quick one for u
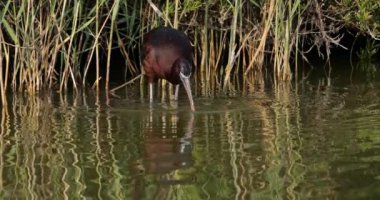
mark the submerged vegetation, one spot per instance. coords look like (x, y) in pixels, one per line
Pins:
(61, 44)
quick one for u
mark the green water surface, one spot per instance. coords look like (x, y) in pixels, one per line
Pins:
(315, 139)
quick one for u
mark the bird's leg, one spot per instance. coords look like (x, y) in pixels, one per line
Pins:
(176, 92)
(151, 92)
(171, 92)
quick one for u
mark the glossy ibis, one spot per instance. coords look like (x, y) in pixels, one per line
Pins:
(167, 54)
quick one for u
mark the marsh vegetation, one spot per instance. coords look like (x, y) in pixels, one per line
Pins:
(61, 45)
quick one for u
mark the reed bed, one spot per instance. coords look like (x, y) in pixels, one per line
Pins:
(61, 45)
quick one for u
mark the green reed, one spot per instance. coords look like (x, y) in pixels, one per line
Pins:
(56, 45)
(51, 40)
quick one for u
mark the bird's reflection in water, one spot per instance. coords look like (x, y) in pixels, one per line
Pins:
(168, 147)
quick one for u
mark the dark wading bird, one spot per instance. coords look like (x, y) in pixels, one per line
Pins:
(167, 54)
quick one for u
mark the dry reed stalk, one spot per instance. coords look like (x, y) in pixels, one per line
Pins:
(68, 71)
(232, 45)
(4, 54)
(204, 64)
(2, 83)
(115, 10)
(268, 17)
(96, 43)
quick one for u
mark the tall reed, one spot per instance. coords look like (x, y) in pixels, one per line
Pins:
(285, 34)
(68, 44)
(50, 41)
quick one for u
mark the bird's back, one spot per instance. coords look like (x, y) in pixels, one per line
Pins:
(161, 48)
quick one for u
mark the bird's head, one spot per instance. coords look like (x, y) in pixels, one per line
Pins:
(183, 68)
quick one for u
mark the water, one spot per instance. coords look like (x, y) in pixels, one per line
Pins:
(304, 141)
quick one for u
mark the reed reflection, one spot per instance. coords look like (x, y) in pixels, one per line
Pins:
(283, 143)
(45, 151)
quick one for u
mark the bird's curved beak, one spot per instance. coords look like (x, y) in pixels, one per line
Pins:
(186, 84)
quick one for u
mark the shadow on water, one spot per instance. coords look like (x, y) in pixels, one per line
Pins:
(292, 141)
